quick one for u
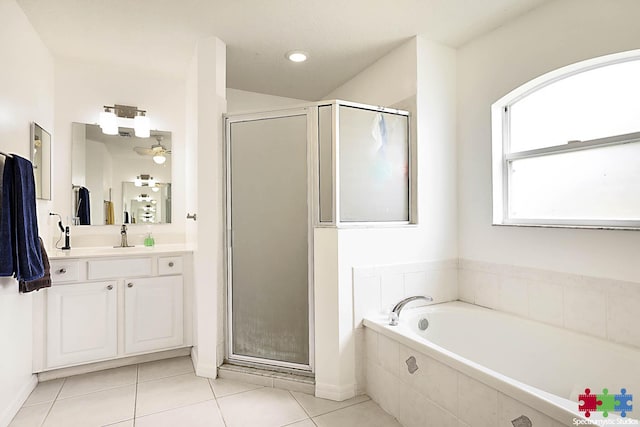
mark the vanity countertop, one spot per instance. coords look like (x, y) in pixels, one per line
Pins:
(104, 251)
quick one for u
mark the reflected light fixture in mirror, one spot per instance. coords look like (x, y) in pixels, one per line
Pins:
(109, 120)
(159, 158)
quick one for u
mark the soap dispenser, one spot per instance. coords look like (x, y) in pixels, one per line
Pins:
(149, 241)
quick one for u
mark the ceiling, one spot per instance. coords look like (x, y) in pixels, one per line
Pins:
(122, 146)
(342, 36)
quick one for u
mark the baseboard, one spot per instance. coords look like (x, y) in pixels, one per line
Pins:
(12, 409)
(203, 370)
(335, 392)
(113, 363)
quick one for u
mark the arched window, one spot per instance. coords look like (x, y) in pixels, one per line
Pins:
(566, 147)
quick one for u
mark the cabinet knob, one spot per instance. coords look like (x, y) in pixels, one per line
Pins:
(129, 285)
(62, 271)
(110, 287)
(171, 264)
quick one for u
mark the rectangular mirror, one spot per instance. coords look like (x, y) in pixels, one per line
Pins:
(120, 179)
(41, 160)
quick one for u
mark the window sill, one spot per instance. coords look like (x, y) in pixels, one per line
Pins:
(570, 226)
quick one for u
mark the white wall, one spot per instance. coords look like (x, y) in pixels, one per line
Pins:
(240, 101)
(26, 95)
(82, 89)
(554, 35)
(205, 101)
(425, 72)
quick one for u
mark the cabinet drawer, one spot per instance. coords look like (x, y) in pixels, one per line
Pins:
(168, 265)
(64, 271)
(115, 268)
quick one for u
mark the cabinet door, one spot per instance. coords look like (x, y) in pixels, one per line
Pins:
(81, 323)
(153, 313)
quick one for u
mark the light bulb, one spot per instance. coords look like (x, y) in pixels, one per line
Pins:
(109, 123)
(142, 126)
(137, 182)
(159, 158)
(297, 56)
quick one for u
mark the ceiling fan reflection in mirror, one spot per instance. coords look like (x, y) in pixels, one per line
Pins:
(158, 151)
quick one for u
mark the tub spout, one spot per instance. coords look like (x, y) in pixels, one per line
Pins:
(395, 313)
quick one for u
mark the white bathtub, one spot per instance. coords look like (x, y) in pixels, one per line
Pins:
(542, 366)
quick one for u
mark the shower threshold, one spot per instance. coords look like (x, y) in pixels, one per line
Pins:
(276, 377)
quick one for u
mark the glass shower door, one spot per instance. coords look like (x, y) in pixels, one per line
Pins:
(268, 216)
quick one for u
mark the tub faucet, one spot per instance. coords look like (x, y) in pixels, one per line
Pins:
(395, 313)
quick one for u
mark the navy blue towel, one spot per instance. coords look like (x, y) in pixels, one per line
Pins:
(84, 208)
(7, 265)
(44, 281)
(26, 243)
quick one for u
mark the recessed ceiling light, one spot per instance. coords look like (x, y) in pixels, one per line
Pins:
(297, 56)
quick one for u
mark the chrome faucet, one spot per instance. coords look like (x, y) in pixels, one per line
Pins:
(123, 238)
(395, 312)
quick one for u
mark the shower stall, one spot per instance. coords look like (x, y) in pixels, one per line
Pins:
(326, 164)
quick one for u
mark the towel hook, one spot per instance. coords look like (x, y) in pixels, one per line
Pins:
(191, 216)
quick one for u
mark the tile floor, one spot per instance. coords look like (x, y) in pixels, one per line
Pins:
(168, 393)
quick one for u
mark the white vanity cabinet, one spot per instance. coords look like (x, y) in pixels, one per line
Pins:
(153, 313)
(102, 308)
(81, 323)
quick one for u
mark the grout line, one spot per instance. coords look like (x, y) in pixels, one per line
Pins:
(299, 404)
(172, 409)
(215, 398)
(348, 406)
(135, 396)
(168, 376)
(64, 380)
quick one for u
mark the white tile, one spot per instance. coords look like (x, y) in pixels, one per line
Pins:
(585, 310)
(439, 417)
(383, 387)
(169, 393)
(623, 316)
(415, 283)
(411, 410)
(223, 387)
(485, 289)
(391, 290)
(371, 345)
(315, 406)
(303, 423)
(511, 409)
(97, 381)
(433, 379)
(94, 409)
(366, 414)
(128, 423)
(466, 291)
(546, 303)
(366, 298)
(31, 416)
(265, 407)
(203, 414)
(513, 295)
(164, 368)
(388, 354)
(477, 403)
(45, 391)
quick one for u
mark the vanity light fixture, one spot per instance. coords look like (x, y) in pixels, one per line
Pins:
(144, 180)
(297, 56)
(109, 120)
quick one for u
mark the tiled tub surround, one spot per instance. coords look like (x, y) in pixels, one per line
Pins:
(601, 307)
(478, 367)
(377, 289)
